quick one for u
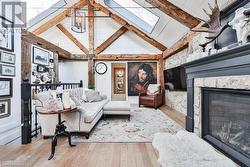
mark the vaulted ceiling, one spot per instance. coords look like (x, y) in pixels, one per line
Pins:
(176, 18)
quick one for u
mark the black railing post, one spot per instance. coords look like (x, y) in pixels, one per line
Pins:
(81, 84)
(26, 99)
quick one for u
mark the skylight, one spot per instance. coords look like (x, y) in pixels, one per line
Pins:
(35, 7)
(137, 14)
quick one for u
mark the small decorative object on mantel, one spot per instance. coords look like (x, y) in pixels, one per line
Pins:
(214, 25)
(241, 23)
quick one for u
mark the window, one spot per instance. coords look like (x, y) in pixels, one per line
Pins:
(135, 13)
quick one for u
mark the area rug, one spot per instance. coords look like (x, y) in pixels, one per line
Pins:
(143, 124)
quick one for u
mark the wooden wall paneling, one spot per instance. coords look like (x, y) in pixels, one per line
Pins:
(36, 40)
(127, 57)
(55, 20)
(72, 38)
(111, 39)
(180, 45)
(128, 26)
(161, 65)
(26, 60)
(91, 56)
(175, 12)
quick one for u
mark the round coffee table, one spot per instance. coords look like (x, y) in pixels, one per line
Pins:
(60, 129)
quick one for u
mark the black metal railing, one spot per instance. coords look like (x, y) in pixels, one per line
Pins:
(30, 127)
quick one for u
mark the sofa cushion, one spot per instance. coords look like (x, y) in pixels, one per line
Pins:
(92, 109)
(117, 105)
(93, 95)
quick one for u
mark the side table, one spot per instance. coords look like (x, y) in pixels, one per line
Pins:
(60, 129)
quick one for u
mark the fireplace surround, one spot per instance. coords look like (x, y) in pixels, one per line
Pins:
(227, 70)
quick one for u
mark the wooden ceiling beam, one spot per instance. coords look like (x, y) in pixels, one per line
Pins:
(128, 26)
(127, 57)
(36, 40)
(72, 38)
(180, 45)
(110, 40)
(175, 12)
(58, 18)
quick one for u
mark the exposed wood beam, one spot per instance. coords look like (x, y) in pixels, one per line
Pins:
(55, 20)
(110, 40)
(72, 38)
(128, 26)
(36, 40)
(91, 56)
(126, 57)
(180, 45)
(175, 12)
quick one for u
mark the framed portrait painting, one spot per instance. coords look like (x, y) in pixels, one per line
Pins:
(140, 75)
(5, 87)
(4, 108)
(40, 56)
(6, 34)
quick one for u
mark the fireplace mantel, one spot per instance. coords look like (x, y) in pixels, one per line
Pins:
(231, 62)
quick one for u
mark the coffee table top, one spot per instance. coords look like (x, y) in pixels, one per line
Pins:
(42, 110)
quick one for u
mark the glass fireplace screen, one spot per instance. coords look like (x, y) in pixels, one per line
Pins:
(226, 117)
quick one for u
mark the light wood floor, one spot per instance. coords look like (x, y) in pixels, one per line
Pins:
(83, 155)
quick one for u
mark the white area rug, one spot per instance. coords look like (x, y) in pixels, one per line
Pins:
(143, 124)
(186, 149)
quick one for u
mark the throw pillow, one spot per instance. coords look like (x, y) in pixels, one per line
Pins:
(104, 97)
(53, 105)
(92, 96)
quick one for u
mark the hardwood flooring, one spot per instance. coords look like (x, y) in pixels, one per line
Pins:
(83, 155)
(176, 116)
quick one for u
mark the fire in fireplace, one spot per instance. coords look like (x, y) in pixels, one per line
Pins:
(226, 122)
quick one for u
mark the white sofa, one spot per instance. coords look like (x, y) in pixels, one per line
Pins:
(80, 122)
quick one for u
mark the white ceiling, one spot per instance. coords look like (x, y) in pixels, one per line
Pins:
(168, 31)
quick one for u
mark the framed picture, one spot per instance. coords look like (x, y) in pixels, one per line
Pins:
(40, 56)
(6, 34)
(6, 70)
(7, 57)
(41, 68)
(140, 75)
(119, 80)
(4, 108)
(5, 87)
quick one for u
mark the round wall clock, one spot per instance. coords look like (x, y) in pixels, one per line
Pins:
(101, 68)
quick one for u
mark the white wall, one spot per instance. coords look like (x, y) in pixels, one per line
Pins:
(10, 127)
(73, 71)
(103, 82)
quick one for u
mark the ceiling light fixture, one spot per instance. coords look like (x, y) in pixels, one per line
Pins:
(78, 21)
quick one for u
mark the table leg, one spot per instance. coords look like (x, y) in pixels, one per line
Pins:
(69, 138)
(53, 145)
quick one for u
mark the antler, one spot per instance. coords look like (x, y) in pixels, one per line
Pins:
(214, 25)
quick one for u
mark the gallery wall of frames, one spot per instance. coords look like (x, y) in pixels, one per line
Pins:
(7, 66)
(43, 70)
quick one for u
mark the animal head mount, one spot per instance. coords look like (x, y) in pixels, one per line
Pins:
(214, 25)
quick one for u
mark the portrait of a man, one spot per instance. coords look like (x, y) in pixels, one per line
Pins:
(140, 75)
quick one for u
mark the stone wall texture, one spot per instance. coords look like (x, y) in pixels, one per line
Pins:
(230, 82)
(177, 59)
(177, 100)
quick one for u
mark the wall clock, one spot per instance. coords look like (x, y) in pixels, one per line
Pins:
(101, 68)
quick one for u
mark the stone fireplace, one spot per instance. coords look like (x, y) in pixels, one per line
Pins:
(219, 101)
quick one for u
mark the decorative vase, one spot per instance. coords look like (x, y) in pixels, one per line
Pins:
(66, 100)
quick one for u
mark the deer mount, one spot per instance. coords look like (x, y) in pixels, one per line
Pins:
(214, 26)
